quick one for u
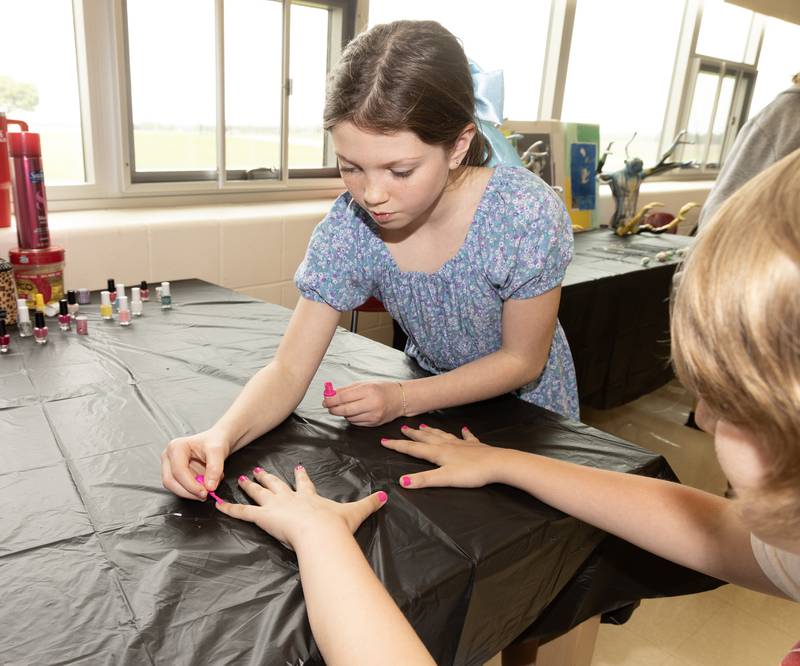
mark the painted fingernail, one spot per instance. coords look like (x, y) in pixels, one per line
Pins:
(257, 470)
(219, 502)
(384, 440)
(464, 428)
(422, 425)
(299, 468)
(403, 427)
(242, 478)
(406, 481)
(382, 497)
(200, 478)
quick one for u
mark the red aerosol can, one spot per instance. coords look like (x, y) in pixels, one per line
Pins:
(30, 198)
(5, 172)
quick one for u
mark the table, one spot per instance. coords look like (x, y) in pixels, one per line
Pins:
(99, 564)
(615, 314)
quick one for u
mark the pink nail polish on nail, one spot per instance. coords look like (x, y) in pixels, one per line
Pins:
(406, 481)
(382, 497)
(299, 468)
(403, 427)
(216, 497)
(423, 425)
(257, 470)
(384, 440)
(219, 502)
(242, 478)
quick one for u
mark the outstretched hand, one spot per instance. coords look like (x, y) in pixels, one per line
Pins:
(293, 515)
(463, 462)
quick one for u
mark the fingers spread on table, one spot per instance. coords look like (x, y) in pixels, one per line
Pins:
(429, 479)
(241, 511)
(255, 490)
(270, 481)
(415, 449)
(302, 482)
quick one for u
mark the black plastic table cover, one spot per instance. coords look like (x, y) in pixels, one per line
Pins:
(100, 565)
(615, 314)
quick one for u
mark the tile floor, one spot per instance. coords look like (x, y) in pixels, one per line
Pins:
(730, 626)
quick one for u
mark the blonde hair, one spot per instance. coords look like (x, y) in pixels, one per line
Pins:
(736, 332)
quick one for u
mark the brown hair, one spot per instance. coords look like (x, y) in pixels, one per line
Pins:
(736, 331)
(406, 75)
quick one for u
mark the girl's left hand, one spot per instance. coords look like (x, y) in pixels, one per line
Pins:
(367, 403)
(463, 463)
(295, 515)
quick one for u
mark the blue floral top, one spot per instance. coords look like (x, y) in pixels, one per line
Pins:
(518, 246)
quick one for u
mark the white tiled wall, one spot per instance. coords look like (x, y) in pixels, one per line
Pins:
(252, 248)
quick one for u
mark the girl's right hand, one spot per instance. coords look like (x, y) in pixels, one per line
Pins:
(292, 516)
(187, 457)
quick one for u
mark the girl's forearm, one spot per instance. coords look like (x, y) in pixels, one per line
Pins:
(484, 378)
(265, 401)
(353, 618)
(685, 525)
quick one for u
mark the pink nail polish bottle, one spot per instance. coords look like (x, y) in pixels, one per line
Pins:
(64, 319)
(144, 290)
(329, 391)
(72, 303)
(124, 311)
(112, 290)
(82, 325)
(40, 329)
(5, 338)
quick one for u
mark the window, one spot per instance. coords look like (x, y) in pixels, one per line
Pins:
(40, 85)
(180, 91)
(618, 77)
(775, 69)
(511, 36)
(720, 83)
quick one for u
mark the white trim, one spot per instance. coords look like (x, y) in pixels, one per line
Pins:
(556, 58)
(219, 34)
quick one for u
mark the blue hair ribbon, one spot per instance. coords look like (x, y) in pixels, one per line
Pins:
(489, 91)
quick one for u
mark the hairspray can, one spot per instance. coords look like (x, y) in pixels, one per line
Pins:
(30, 199)
(5, 172)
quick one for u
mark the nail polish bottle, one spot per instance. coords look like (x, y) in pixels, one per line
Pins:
(63, 318)
(5, 338)
(72, 304)
(82, 325)
(120, 294)
(124, 311)
(39, 301)
(166, 297)
(112, 290)
(40, 330)
(144, 290)
(136, 301)
(24, 325)
(84, 296)
(105, 305)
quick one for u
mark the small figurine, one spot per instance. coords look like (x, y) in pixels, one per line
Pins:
(625, 182)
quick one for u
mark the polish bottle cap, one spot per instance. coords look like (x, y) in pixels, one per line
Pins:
(23, 315)
(136, 294)
(39, 319)
(39, 299)
(111, 285)
(105, 297)
(143, 284)
(123, 302)
(71, 297)
(120, 288)
(165, 288)
(62, 306)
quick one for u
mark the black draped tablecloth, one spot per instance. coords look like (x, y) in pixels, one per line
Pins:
(100, 565)
(615, 314)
